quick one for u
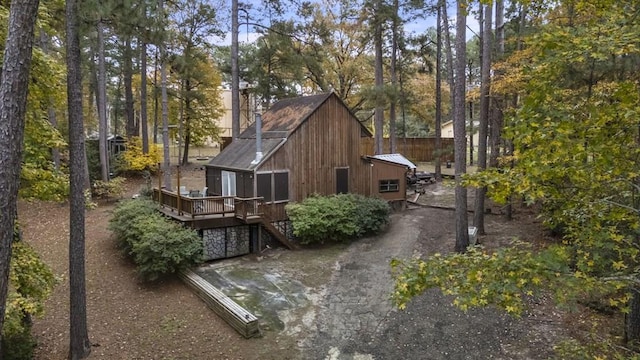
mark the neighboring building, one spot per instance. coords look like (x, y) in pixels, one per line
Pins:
(447, 131)
(247, 111)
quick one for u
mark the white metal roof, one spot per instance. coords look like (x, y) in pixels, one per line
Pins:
(395, 158)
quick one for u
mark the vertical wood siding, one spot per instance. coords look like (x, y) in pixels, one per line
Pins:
(382, 170)
(329, 139)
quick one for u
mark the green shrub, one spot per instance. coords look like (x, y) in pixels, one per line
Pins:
(156, 244)
(125, 215)
(113, 188)
(337, 218)
(30, 284)
(18, 346)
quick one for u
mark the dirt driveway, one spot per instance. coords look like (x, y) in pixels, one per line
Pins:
(337, 300)
(348, 314)
(357, 321)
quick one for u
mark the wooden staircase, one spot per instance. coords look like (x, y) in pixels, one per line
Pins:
(266, 222)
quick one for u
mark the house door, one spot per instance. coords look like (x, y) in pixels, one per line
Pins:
(228, 186)
(342, 180)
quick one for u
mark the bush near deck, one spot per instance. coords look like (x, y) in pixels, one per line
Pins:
(337, 218)
(157, 245)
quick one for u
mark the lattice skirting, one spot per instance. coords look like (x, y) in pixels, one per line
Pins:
(285, 227)
(226, 242)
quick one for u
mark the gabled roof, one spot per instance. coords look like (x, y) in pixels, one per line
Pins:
(240, 154)
(395, 158)
(278, 123)
(287, 115)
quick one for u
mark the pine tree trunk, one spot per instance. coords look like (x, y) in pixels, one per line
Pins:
(143, 96)
(449, 53)
(632, 320)
(485, 85)
(394, 80)
(144, 123)
(459, 131)
(155, 99)
(127, 73)
(378, 122)
(165, 113)
(497, 117)
(235, 73)
(13, 102)
(438, 142)
(79, 346)
(101, 91)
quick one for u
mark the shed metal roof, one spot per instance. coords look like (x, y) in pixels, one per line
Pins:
(395, 158)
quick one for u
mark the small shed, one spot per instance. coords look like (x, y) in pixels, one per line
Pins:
(116, 144)
(389, 176)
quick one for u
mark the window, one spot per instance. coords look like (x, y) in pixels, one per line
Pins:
(342, 180)
(263, 183)
(389, 186)
(273, 186)
(228, 186)
(281, 186)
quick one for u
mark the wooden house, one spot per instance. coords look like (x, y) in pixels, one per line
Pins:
(299, 147)
(309, 145)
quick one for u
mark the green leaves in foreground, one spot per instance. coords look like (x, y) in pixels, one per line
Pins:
(504, 278)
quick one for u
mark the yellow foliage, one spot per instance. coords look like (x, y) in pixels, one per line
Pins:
(136, 160)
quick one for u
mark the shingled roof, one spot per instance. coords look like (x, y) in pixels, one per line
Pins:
(286, 116)
(278, 123)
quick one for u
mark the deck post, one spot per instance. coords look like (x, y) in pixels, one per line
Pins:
(178, 192)
(159, 184)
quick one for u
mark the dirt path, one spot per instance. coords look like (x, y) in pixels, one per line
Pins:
(357, 320)
(357, 300)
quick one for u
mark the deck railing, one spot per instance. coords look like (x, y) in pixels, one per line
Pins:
(248, 207)
(209, 205)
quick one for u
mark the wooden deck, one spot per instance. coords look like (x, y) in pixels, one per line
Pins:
(184, 207)
(217, 211)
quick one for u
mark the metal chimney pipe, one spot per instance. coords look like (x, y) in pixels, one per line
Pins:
(258, 139)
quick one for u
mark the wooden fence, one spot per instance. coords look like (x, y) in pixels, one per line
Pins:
(415, 149)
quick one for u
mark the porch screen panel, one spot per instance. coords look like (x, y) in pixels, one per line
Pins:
(281, 186)
(264, 186)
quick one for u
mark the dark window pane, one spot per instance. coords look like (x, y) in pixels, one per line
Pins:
(389, 186)
(342, 181)
(281, 186)
(264, 186)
